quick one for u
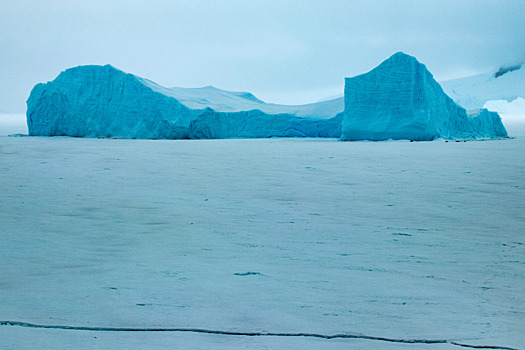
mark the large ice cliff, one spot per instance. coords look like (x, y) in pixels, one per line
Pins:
(400, 99)
(102, 101)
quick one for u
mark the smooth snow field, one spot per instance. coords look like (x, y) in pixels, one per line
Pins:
(395, 241)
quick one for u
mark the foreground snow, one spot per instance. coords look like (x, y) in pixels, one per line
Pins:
(391, 239)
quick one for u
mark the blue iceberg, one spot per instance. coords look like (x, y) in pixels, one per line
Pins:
(399, 99)
(102, 101)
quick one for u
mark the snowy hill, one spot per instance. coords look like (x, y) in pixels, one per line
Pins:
(230, 101)
(505, 83)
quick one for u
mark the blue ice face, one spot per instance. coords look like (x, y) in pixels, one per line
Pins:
(401, 100)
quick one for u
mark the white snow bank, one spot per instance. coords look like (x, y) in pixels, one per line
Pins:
(230, 101)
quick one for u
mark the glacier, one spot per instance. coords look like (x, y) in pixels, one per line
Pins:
(397, 100)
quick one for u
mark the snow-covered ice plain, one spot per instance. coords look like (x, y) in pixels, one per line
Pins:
(399, 240)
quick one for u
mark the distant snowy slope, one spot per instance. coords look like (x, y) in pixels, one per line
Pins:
(230, 101)
(506, 83)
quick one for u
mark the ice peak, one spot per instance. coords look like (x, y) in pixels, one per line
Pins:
(400, 56)
(95, 72)
(93, 67)
(399, 63)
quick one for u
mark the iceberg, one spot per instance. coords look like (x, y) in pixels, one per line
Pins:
(399, 99)
(102, 101)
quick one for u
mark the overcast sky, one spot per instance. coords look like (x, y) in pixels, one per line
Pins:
(282, 51)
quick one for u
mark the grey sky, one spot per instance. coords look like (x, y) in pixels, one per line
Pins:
(282, 51)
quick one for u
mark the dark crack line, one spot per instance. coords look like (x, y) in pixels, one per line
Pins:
(249, 334)
(480, 346)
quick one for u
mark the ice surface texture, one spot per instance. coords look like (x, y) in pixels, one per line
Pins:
(102, 101)
(400, 99)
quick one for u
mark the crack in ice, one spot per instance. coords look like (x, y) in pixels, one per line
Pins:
(250, 334)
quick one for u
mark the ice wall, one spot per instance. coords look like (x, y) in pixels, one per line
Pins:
(486, 123)
(255, 123)
(102, 101)
(400, 99)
